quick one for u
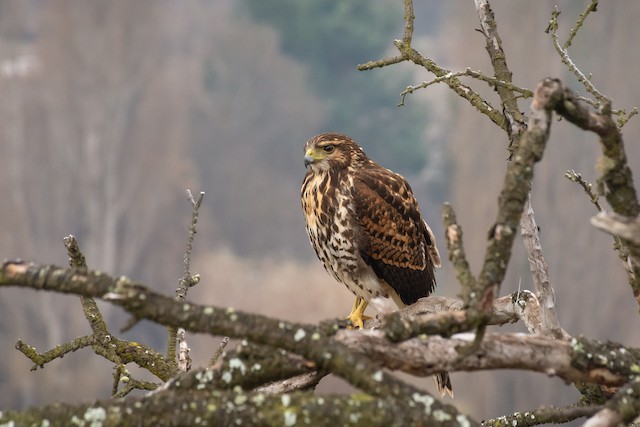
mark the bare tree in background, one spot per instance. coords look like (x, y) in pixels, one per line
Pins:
(84, 118)
(265, 381)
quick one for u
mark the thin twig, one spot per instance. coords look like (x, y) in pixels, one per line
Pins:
(59, 351)
(525, 93)
(408, 53)
(187, 280)
(218, 353)
(381, 63)
(566, 59)
(455, 248)
(574, 176)
(408, 35)
(591, 7)
(623, 116)
(104, 343)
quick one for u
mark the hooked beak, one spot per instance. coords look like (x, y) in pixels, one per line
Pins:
(310, 156)
(307, 161)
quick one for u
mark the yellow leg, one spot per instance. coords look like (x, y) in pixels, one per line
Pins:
(357, 316)
(356, 303)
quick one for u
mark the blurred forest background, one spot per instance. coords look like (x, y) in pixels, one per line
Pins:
(109, 110)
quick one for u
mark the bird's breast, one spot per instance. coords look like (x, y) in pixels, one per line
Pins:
(328, 213)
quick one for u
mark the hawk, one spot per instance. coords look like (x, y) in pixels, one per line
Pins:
(365, 226)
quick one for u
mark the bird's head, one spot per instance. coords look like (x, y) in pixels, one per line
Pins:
(330, 150)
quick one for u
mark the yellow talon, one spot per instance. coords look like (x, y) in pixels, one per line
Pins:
(357, 316)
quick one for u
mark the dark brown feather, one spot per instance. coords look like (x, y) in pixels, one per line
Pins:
(394, 240)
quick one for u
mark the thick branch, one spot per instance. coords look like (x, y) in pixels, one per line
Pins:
(544, 415)
(299, 382)
(578, 360)
(513, 197)
(514, 116)
(228, 408)
(620, 226)
(516, 120)
(440, 315)
(302, 339)
(624, 407)
(311, 342)
(615, 180)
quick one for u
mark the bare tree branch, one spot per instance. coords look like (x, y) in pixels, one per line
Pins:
(494, 82)
(624, 407)
(188, 280)
(513, 197)
(311, 342)
(616, 180)
(58, 352)
(105, 344)
(564, 55)
(226, 408)
(578, 360)
(618, 225)
(430, 315)
(299, 382)
(348, 353)
(515, 118)
(591, 7)
(587, 187)
(455, 247)
(408, 53)
(539, 271)
(544, 415)
(261, 382)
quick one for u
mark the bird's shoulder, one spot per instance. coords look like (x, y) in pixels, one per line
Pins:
(394, 239)
(374, 186)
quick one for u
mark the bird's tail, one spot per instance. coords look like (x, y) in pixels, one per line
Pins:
(443, 381)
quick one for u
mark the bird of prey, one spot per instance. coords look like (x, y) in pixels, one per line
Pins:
(365, 226)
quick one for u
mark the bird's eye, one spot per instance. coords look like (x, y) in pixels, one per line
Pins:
(328, 148)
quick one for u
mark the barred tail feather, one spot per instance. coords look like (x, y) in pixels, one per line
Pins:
(443, 381)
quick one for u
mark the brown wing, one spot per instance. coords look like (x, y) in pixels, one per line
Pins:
(393, 238)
